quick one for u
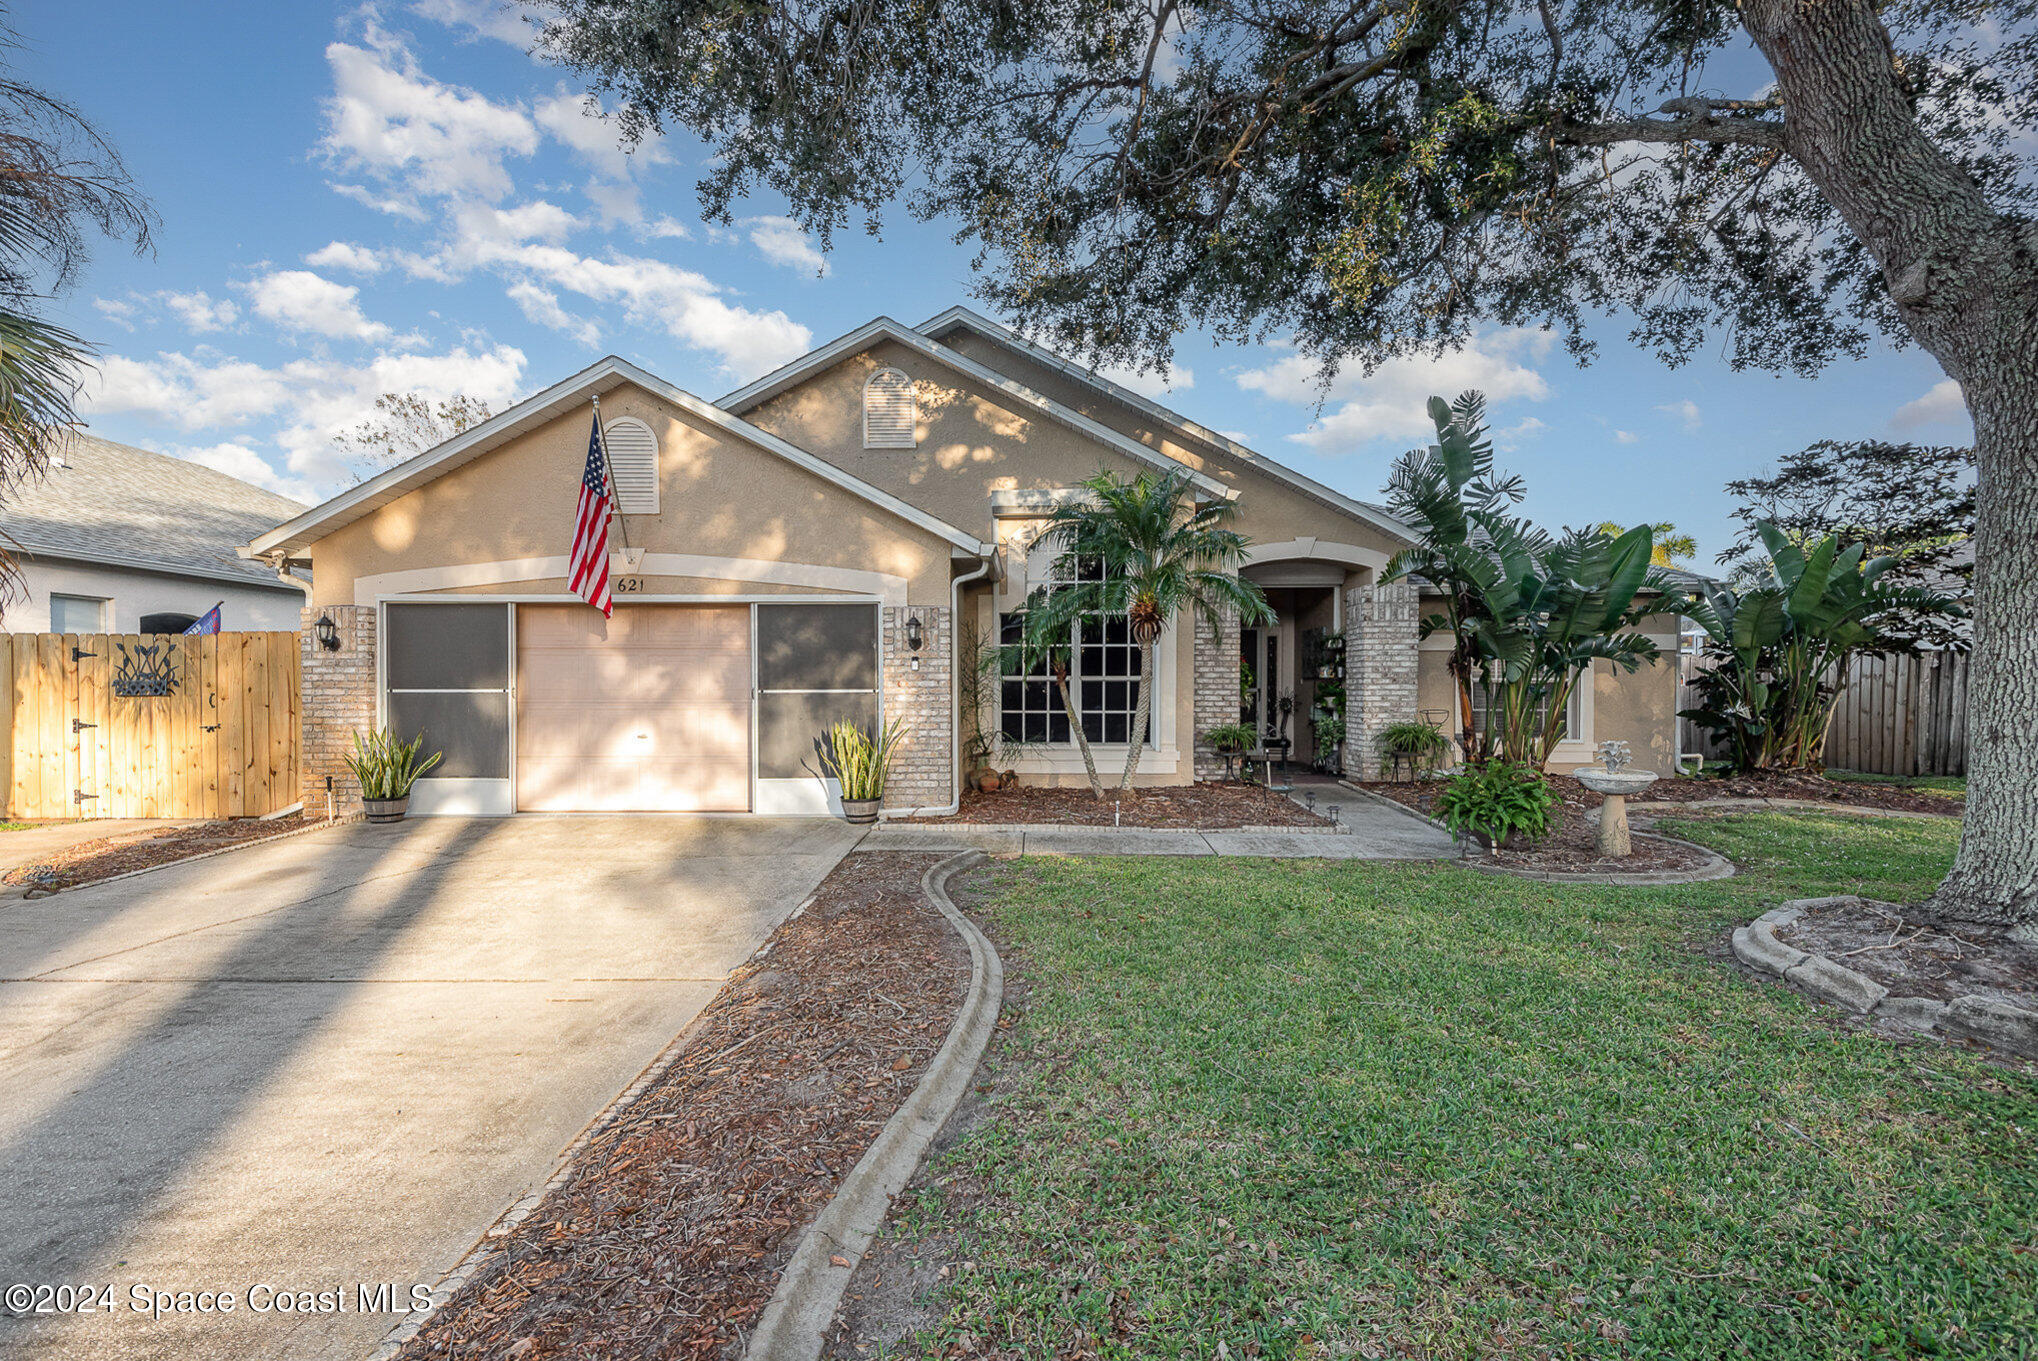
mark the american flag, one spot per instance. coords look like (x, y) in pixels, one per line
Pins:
(587, 566)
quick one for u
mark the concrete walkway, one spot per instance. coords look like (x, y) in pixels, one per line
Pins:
(330, 1061)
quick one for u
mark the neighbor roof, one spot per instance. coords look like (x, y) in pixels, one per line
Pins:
(120, 506)
(961, 318)
(605, 375)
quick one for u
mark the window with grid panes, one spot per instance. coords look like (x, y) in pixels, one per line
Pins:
(1103, 679)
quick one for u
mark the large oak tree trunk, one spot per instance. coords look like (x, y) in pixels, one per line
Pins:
(1965, 280)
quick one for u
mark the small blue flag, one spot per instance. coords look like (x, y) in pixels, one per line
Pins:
(209, 624)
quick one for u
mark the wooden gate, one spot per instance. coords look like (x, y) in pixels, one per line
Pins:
(150, 726)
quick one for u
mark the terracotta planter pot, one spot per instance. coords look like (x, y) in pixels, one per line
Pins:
(386, 810)
(860, 810)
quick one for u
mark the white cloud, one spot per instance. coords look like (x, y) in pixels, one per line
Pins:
(238, 460)
(781, 241)
(381, 203)
(1149, 383)
(1625, 436)
(390, 120)
(1392, 401)
(1510, 437)
(578, 123)
(119, 311)
(665, 226)
(1944, 403)
(298, 300)
(1685, 410)
(306, 401)
(503, 20)
(200, 311)
(348, 256)
(542, 306)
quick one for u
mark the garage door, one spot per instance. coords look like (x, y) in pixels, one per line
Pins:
(648, 711)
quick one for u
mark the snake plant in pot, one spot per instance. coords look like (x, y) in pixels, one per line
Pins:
(861, 764)
(387, 769)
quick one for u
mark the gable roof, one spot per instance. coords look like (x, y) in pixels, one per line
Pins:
(1025, 398)
(120, 506)
(294, 536)
(962, 318)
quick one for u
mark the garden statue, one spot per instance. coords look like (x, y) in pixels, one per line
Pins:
(1615, 782)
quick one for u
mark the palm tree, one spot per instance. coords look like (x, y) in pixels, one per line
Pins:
(1670, 545)
(1157, 554)
(57, 176)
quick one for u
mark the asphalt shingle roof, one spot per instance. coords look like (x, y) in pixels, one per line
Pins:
(115, 503)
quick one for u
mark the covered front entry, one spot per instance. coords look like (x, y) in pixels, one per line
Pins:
(646, 712)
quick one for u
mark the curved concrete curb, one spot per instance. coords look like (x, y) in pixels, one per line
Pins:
(1716, 866)
(1999, 1024)
(795, 1322)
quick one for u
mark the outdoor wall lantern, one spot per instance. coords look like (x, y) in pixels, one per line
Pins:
(328, 633)
(914, 636)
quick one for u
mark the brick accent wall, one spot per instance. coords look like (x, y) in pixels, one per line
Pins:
(1381, 641)
(338, 699)
(1216, 681)
(923, 769)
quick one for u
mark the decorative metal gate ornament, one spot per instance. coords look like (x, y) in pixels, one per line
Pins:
(145, 670)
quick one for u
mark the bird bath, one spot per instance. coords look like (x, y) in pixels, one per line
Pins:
(1615, 784)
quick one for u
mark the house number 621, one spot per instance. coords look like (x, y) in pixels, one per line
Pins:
(625, 585)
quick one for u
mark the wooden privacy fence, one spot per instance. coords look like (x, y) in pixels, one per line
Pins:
(1902, 716)
(149, 726)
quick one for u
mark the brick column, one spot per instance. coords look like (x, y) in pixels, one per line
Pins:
(338, 699)
(1381, 654)
(923, 769)
(1216, 682)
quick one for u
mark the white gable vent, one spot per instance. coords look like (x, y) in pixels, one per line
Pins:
(889, 415)
(633, 463)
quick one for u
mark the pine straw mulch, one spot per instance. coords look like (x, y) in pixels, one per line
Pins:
(667, 1238)
(102, 858)
(1202, 807)
(1915, 958)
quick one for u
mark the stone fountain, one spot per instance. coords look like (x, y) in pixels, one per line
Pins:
(1616, 782)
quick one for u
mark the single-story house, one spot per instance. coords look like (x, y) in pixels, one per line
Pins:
(114, 539)
(845, 536)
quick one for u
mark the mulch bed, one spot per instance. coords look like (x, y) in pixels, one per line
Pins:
(1860, 794)
(1199, 806)
(105, 857)
(1915, 958)
(668, 1238)
(1572, 846)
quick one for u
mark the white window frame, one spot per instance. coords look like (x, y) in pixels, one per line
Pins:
(634, 502)
(105, 604)
(910, 439)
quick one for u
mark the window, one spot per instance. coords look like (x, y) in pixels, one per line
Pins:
(633, 464)
(1103, 678)
(78, 613)
(1574, 720)
(889, 414)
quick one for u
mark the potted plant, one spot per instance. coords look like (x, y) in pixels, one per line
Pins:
(861, 763)
(1329, 730)
(1422, 745)
(1230, 740)
(387, 769)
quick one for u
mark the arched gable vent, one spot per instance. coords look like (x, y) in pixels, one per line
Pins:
(889, 413)
(633, 463)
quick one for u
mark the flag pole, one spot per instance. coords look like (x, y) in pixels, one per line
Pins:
(608, 470)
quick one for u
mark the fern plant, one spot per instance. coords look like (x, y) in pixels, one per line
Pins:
(1423, 742)
(1231, 738)
(1499, 800)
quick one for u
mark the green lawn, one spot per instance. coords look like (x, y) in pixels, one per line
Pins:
(1320, 1110)
(1952, 786)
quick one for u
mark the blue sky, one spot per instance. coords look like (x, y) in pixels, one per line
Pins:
(396, 197)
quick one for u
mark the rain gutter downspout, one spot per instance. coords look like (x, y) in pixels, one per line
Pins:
(954, 803)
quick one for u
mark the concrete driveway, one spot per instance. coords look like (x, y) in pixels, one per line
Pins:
(330, 1062)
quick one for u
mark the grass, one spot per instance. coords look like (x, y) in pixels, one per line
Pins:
(1952, 786)
(1319, 1109)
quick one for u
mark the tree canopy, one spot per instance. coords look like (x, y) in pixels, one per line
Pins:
(1369, 178)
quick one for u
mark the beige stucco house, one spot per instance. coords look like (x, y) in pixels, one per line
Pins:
(845, 536)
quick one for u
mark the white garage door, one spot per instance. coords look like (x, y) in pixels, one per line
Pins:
(648, 711)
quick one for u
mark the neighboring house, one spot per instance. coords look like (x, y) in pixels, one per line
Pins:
(804, 549)
(114, 539)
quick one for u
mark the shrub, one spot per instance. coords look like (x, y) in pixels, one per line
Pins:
(1499, 800)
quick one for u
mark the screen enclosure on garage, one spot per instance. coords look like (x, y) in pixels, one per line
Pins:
(543, 706)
